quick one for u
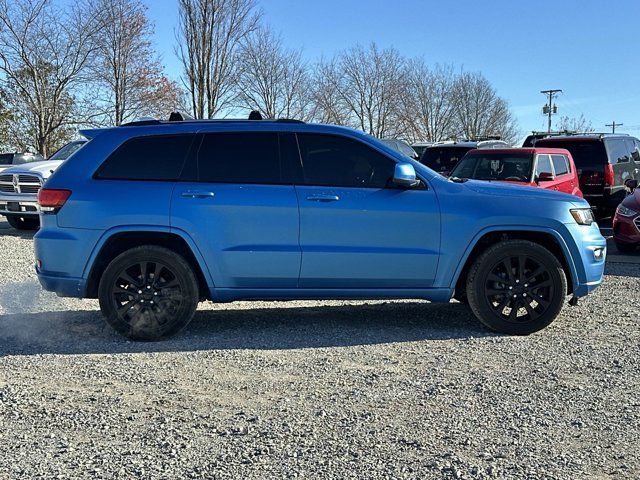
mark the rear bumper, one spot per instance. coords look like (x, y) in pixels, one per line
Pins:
(609, 198)
(62, 286)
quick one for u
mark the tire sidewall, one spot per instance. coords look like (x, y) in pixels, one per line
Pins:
(178, 266)
(485, 264)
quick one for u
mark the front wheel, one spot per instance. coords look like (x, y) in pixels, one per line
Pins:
(148, 293)
(516, 287)
(23, 223)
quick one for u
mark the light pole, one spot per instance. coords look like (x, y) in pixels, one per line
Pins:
(550, 109)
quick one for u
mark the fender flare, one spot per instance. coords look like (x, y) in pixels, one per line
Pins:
(109, 233)
(519, 228)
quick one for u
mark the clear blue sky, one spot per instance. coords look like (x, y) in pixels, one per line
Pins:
(588, 48)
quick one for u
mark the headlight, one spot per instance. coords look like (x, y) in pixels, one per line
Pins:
(582, 216)
(626, 212)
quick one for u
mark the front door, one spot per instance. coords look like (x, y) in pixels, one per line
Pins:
(357, 230)
(242, 214)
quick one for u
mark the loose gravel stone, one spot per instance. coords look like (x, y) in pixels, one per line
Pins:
(331, 389)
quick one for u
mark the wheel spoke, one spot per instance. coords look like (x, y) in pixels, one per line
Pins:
(546, 283)
(514, 310)
(158, 274)
(521, 265)
(531, 276)
(507, 265)
(496, 291)
(125, 307)
(128, 279)
(495, 278)
(530, 310)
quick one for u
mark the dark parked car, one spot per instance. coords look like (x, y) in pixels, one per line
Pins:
(10, 159)
(443, 156)
(626, 222)
(604, 163)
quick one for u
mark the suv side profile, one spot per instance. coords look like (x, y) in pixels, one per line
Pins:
(153, 217)
(443, 156)
(604, 163)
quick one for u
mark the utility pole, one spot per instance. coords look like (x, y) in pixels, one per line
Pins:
(550, 108)
(613, 126)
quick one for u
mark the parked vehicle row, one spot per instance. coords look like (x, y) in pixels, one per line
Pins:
(626, 222)
(154, 216)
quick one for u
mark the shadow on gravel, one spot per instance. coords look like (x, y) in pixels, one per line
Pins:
(81, 332)
(7, 231)
(623, 269)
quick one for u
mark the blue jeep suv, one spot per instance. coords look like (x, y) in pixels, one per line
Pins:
(153, 217)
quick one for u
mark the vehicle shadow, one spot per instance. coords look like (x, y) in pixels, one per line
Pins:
(83, 332)
(7, 230)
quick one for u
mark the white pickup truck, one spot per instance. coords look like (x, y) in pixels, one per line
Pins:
(19, 186)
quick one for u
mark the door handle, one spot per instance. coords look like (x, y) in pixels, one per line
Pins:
(323, 198)
(197, 194)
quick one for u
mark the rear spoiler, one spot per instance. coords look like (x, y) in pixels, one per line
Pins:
(91, 133)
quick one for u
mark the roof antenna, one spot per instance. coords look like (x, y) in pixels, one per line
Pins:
(255, 115)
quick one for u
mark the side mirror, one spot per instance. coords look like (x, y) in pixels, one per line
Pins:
(546, 177)
(631, 184)
(404, 175)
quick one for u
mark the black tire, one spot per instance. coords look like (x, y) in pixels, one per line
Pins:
(23, 223)
(148, 293)
(521, 299)
(626, 247)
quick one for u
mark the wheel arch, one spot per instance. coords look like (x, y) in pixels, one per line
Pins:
(116, 241)
(548, 238)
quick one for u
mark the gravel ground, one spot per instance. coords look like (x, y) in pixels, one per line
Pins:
(317, 389)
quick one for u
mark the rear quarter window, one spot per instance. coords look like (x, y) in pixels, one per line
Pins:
(560, 164)
(153, 157)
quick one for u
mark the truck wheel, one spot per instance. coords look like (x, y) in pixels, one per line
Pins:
(23, 223)
(148, 293)
(516, 287)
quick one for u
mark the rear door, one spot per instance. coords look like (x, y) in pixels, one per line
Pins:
(236, 202)
(564, 178)
(357, 230)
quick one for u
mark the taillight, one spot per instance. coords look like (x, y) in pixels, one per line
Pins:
(51, 199)
(608, 175)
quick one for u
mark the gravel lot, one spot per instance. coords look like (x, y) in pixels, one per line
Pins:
(316, 389)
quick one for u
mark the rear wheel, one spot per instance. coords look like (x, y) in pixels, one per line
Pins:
(516, 287)
(23, 223)
(148, 293)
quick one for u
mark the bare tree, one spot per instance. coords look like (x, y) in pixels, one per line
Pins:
(328, 105)
(44, 53)
(479, 111)
(574, 124)
(275, 81)
(427, 104)
(367, 83)
(129, 75)
(209, 36)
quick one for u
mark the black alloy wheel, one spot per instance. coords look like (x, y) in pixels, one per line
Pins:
(148, 293)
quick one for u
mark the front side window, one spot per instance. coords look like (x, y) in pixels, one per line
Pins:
(560, 164)
(249, 157)
(543, 165)
(330, 160)
(152, 157)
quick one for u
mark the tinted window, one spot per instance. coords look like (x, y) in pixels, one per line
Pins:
(154, 157)
(630, 147)
(240, 158)
(443, 159)
(6, 158)
(495, 166)
(338, 161)
(543, 165)
(587, 154)
(635, 154)
(560, 164)
(618, 151)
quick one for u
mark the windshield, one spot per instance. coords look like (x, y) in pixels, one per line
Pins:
(68, 150)
(495, 166)
(443, 159)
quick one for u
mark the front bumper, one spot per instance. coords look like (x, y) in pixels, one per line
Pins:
(23, 205)
(589, 256)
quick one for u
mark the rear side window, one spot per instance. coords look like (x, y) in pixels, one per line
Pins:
(588, 155)
(560, 164)
(240, 158)
(330, 160)
(443, 159)
(153, 157)
(618, 151)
